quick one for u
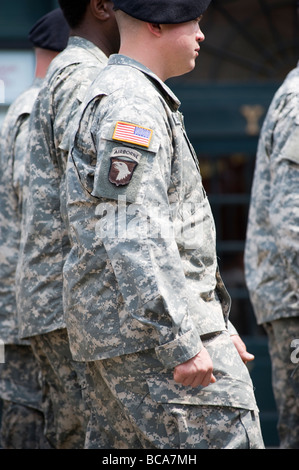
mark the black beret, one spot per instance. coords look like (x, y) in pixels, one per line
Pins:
(163, 11)
(50, 32)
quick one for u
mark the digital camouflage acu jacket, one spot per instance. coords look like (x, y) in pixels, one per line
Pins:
(142, 272)
(45, 240)
(13, 141)
(272, 244)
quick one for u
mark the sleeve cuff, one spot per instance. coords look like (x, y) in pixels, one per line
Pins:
(231, 329)
(180, 350)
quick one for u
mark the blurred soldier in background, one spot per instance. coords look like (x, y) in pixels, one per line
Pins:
(93, 37)
(272, 249)
(22, 424)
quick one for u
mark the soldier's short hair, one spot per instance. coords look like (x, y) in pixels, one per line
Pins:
(74, 11)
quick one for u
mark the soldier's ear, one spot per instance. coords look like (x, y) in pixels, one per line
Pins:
(99, 9)
(155, 29)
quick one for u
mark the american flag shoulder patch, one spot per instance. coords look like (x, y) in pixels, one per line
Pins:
(132, 133)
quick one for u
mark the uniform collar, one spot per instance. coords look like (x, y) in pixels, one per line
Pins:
(77, 41)
(37, 81)
(169, 96)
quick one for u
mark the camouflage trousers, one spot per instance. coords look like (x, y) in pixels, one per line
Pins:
(129, 411)
(285, 378)
(22, 419)
(64, 390)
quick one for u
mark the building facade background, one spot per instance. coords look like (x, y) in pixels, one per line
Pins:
(250, 47)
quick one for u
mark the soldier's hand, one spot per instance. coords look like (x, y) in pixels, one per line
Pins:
(241, 348)
(196, 371)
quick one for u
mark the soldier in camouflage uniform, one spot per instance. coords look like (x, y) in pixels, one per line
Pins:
(94, 35)
(145, 304)
(22, 425)
(271, 252)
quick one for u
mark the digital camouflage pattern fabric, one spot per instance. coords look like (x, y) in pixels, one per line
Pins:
(22, 418)
(64, 391)
(271, 253)
(148, 242)
(45, 240)
(285, 378)
(14, 138)
(138, 388)
(22, 421)
(143, 291)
